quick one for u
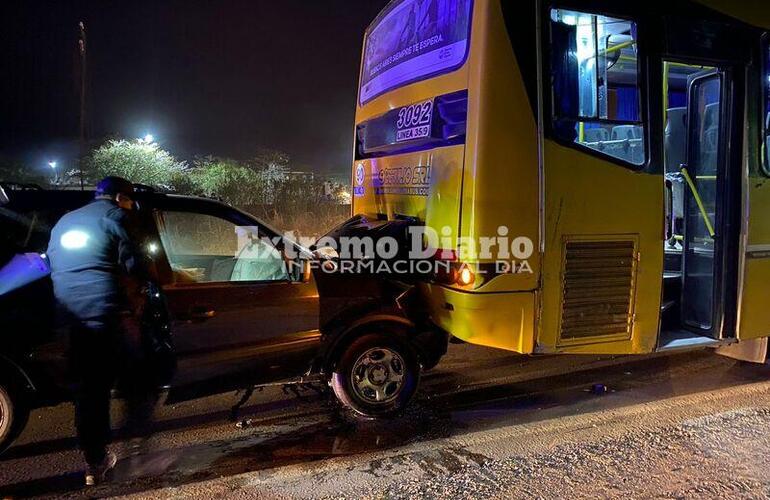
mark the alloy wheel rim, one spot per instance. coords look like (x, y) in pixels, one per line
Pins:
(5, 413)
(378, 375)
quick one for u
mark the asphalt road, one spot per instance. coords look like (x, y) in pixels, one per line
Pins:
(486, 423)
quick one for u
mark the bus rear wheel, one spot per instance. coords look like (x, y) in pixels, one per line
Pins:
(376, 376)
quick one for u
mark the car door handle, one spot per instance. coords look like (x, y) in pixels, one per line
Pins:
(202, 313)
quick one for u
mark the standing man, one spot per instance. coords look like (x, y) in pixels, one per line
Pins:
(97, 273)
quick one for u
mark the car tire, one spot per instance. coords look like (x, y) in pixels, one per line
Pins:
(14, 413)
(376, 376)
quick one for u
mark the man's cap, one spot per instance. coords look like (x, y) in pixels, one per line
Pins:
(112, 186)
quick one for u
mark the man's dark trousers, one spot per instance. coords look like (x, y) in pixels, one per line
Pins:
(103, 351)
(94, 348)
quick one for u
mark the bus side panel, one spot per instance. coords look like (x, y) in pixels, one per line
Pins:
(599, 207)
(754, 311)
(500, 183)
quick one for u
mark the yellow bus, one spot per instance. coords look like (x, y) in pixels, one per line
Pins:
(627, 141)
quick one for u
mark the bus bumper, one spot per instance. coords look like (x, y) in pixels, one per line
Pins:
(504, 320)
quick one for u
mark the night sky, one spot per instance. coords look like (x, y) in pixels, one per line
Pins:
(205, 77)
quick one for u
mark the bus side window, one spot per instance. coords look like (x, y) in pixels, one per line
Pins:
(595, 84)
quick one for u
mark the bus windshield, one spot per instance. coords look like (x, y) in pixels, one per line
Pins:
(412, 40)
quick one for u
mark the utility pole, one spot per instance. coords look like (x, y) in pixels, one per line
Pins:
(82, 52)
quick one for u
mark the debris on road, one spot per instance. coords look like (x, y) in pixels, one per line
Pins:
(599, 389)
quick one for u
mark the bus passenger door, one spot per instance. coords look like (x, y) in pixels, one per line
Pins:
(704, 178)
(700, 283)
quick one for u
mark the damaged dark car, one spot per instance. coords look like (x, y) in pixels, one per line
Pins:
(244, 305)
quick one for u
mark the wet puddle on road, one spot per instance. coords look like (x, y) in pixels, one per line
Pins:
(276, 446)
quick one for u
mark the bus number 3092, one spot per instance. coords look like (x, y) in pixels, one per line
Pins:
(415, 114)
(414, 120)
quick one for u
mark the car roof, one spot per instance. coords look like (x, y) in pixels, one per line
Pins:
(27, 197)
(30, 199)
(61, 201)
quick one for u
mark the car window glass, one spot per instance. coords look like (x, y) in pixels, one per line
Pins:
(203, 248)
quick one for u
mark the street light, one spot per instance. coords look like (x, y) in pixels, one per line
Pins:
(147, 139)
(52, 164)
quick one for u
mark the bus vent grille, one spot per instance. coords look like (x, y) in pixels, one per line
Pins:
(598, 289)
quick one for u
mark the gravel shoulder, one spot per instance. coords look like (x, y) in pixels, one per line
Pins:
(718, 456)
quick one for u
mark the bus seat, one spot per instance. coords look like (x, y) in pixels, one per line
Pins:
(675, 139)
(621, 132)
(620, 149)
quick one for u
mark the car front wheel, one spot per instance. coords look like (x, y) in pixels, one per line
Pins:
(376, 376)
(13, 415)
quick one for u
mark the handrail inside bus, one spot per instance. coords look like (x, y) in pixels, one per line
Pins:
(698, 200)
(617, 47)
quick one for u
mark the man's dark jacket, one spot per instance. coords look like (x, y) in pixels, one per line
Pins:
(95, 263)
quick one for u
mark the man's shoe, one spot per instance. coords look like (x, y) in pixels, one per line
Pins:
(95, 474)
(137, 446)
